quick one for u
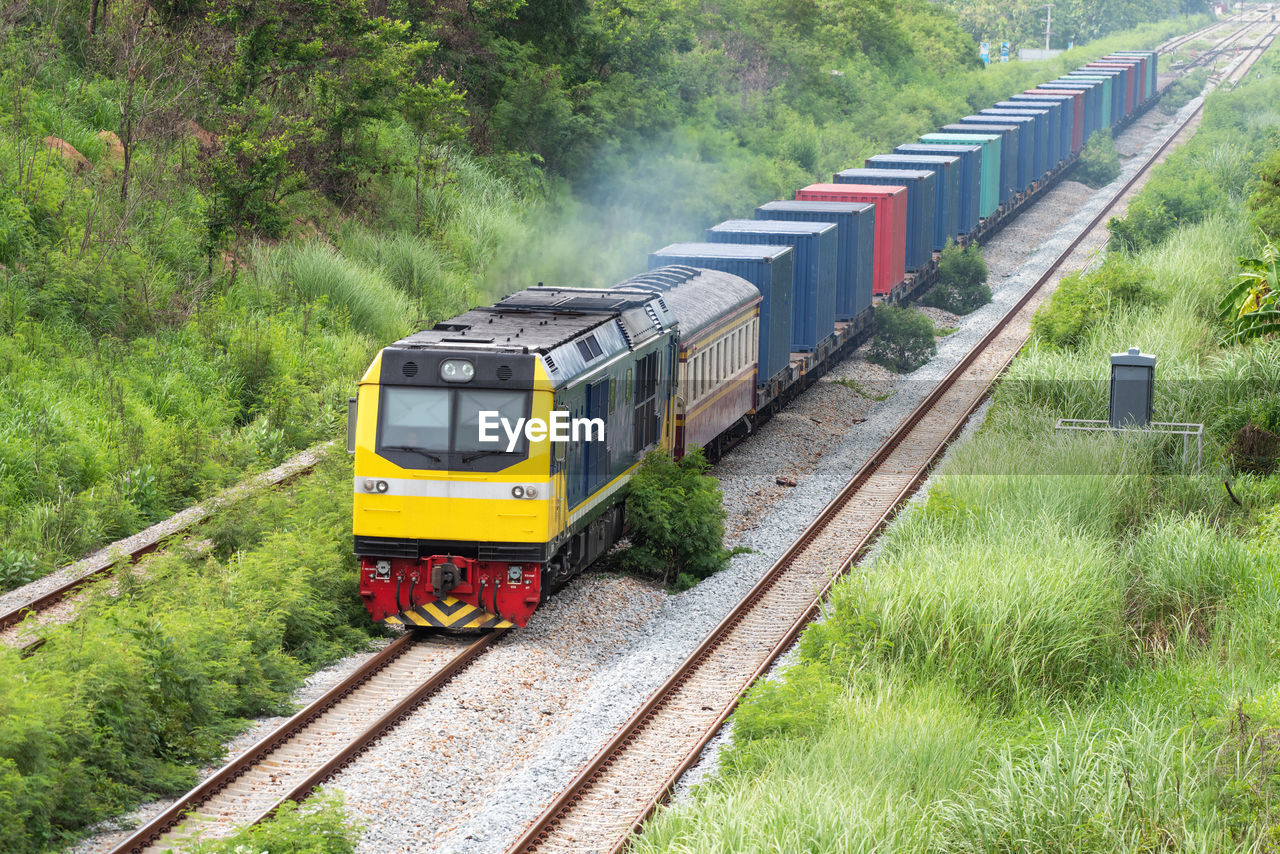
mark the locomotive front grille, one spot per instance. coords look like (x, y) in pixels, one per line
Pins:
(397, 547)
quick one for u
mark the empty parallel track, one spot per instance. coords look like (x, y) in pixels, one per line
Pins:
(314, 744)
(626, 781)
(54, 591)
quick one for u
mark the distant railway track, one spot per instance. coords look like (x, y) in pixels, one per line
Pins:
(44, 596)
(316, 743)
(634, 773)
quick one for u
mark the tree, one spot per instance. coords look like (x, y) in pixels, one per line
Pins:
(435, 113)
(676, 517)
(903, 339)
(250, 176)
(329, 60)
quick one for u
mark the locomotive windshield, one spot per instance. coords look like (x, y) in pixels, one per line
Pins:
(443, 420)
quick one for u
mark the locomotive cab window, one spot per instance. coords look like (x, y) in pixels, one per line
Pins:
(416, 418)
(418, 427)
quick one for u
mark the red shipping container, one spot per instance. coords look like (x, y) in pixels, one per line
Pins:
(1077, 110)
(889, 268)
(1129, 71)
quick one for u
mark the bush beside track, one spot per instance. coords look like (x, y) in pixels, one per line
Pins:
(1070, 645)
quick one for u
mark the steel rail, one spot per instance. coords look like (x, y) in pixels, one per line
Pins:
(173, 817)
(641, 719)
(102, 563)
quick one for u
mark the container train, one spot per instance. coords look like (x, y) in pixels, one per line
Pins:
(493, 451)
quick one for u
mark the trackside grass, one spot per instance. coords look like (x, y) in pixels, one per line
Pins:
(1073, 643)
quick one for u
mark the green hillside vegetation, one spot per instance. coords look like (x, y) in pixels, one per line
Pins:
(1022, 22)
(212, 214)
(1070, 645)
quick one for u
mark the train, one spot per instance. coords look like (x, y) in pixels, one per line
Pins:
(492, 452)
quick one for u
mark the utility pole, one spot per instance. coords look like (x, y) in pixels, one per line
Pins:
(1048, 21)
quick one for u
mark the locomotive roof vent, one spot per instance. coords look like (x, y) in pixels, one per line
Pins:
(505, 372)
(409, 369)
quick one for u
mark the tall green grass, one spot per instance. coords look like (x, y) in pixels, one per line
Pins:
(1071, 645)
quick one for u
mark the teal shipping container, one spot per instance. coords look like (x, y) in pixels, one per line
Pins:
(989, 174)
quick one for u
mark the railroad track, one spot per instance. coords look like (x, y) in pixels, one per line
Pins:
(314, 744)
(52, 597)
(627, 780)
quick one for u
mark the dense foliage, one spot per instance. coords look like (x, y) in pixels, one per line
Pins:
(903, 339)
(962, 280)
(1082, 299)
(212, 213)
(675, 520)
(1022, 22)
(1216, 171)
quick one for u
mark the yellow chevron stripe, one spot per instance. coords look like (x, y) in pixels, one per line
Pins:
(450, 613)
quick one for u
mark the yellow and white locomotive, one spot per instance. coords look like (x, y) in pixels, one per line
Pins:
(473, 495)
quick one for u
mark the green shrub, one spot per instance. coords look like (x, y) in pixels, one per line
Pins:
(676, 520)
(1265, 199)
(1182, 90)
(962, 280)
(320, 826)
(903, 339)
(1099, 164)
(1083, 299)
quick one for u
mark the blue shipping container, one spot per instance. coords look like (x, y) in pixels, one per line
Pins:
(946, 173)
(855, 246)
(970, 177)
(769, 268)
(813, 286)
(1047, 122)
(1008, 134)
(1028, 143)
(922, 193)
